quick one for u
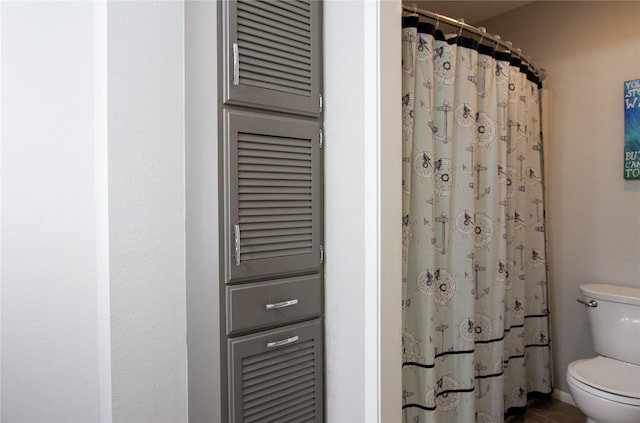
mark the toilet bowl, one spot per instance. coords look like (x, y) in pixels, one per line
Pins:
(606, 390)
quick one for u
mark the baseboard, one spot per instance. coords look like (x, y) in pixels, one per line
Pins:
(563, 396)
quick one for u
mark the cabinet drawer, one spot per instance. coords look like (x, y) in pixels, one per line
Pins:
(266, 304)
(276, 375)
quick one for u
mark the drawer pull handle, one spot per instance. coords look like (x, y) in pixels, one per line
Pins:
(236, 65)
(281, 304)
(236, 236)
(282, 342)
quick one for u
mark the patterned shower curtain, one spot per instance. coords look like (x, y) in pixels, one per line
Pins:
(475, 307)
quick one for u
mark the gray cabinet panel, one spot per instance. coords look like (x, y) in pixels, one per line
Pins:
(273, 192)
(275, 303)
(271, 210)
(276, 376)
(272, 55)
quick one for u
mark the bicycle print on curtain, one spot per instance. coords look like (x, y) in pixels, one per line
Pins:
(475, 308)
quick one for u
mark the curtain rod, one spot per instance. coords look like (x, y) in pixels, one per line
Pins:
(540, 72)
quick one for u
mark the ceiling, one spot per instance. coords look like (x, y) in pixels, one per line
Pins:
(472, 11)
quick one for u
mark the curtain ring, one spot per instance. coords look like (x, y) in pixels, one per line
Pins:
(483, 31)
(497, 38)
(512, 51)
(437, 22)
(461, 27)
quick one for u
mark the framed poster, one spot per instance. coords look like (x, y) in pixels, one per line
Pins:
(632, 129)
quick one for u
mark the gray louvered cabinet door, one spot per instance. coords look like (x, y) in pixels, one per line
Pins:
(276, 376)
(273, 199)
(272, 55)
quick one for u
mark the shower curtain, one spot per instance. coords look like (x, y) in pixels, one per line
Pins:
(475, 308)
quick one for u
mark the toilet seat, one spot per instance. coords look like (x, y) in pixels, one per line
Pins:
(607, 378)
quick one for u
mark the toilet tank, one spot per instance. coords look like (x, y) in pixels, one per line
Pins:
(615, 321)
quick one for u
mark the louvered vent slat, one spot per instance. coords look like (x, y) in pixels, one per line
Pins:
(299, 230)
(252, 157)
(257, 24)
(256, 189)
(286, 144)
(268, 379)
(293, 369)
(245, 41)
(274, 46)
(271, 64)
(263, 199)
(271, 243)
(274, 204)
(283, 248)
(273, 40)
(279, 384)
(281, 197)
(262, 83)
(292, 216)
(284, 393)
(251, 177)
(273, 13)
(295, 414)
(277, 230)
(275, 75)
(294, 380)
(277, 225)
(302, 416)
(272, 26)
(281, 170)
(274, 186)
(272, 212)
(281, 408)
(292, 10)
(276, 253)
(270, 358)
(302, 11)
(299, 68)
(274, 182)
(253, 152)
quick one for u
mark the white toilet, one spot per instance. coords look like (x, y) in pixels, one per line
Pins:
(607, 388)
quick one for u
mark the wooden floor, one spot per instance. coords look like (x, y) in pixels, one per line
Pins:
(549, 411)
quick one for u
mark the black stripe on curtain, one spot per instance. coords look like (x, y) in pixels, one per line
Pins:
(428, 28)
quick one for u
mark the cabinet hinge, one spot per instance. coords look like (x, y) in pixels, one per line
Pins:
(321, 254)
(321, 142)
(320, 103)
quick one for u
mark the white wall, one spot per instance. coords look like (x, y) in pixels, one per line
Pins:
(50, 326)
(589, 49)
(362, 206)
(101, 185)
(344, 213)
(93, 212)
(203, 281)
(93, 308)
(145, 74)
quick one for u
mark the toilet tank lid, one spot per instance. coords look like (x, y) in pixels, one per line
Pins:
(616, 293)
